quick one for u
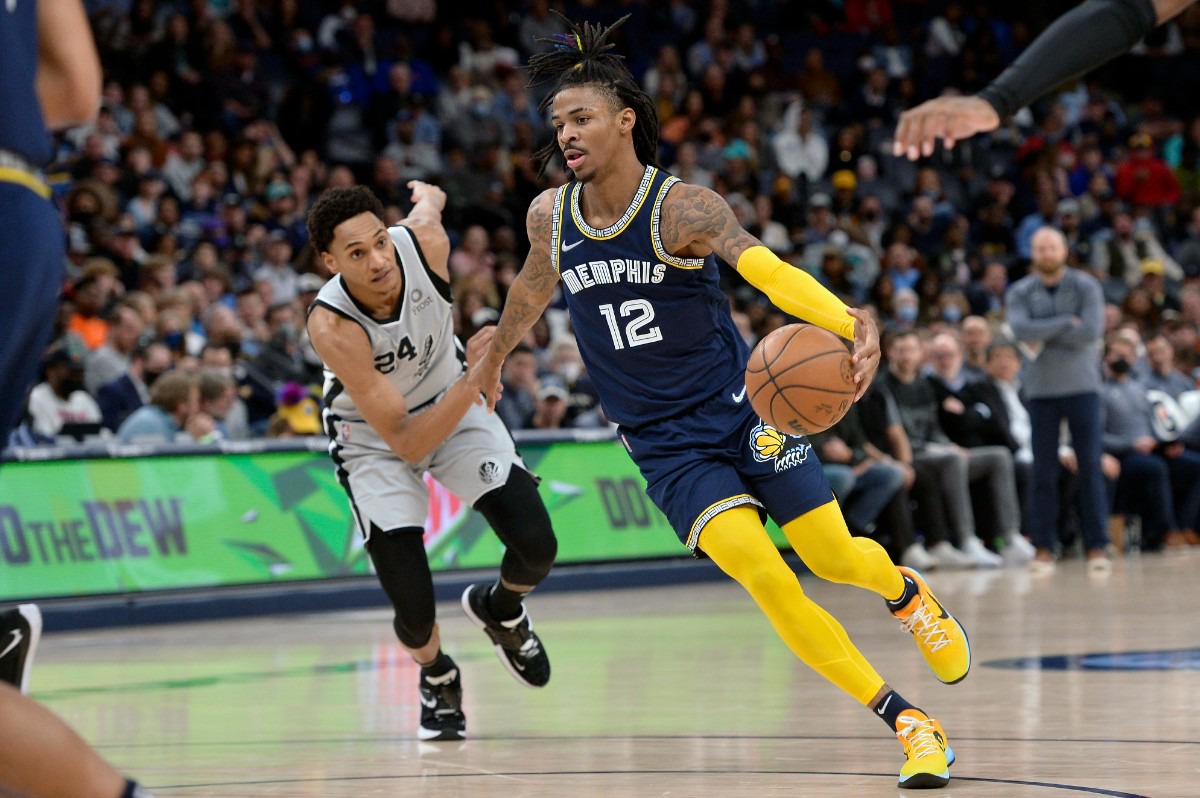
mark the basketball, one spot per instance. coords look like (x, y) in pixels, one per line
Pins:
(800, 379)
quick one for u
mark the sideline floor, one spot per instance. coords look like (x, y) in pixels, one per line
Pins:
(1080, 686)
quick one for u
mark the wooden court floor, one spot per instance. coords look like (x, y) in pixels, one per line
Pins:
(1081, 686)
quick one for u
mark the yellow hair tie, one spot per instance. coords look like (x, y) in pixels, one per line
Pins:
(579, 65)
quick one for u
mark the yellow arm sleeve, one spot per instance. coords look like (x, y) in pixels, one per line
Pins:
(795, 291)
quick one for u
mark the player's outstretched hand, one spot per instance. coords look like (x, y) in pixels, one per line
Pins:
(483, 373)
(866, 350)
(428, 192)
(948, 119)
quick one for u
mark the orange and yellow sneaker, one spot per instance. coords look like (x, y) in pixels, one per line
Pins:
(940, 638)
(928, 754)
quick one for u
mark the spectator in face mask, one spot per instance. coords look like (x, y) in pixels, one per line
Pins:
(280, 359)
(566, 365)
(1160, 481)
(952, 306)
(905, 309)
(120, 397)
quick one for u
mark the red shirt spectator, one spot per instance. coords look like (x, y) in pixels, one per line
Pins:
(1145, 179)
(868, 16)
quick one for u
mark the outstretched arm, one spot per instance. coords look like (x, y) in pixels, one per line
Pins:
(696, 221)
(425, 222)
(527, 298)
(1079, 41)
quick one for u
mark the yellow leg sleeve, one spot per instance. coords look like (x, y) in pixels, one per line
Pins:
(822, 540)
(738, 544)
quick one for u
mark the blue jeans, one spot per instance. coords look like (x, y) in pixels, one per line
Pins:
(1082, 412)
(868, 493)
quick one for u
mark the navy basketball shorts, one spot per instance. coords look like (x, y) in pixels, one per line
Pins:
(31, 260)
(720, 456)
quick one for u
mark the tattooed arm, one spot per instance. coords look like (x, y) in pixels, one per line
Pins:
(528, 296)
(696, 221)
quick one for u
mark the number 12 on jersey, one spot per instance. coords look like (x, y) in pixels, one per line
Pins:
(642, 313)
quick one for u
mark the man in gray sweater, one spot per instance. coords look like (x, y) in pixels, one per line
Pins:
(1058, 313)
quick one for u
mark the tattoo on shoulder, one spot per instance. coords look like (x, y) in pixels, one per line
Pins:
(538, 270)
(694, 216)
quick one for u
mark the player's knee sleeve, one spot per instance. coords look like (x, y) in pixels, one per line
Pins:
(517, 514)
(403, 570)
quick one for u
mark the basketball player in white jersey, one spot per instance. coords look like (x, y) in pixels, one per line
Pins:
(399, 403)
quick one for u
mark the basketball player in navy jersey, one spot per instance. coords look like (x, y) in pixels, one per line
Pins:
(635, 250)
(398, 404)
(49, 80)
(1084, 38)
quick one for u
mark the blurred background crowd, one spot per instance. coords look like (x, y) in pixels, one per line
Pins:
(223, 120)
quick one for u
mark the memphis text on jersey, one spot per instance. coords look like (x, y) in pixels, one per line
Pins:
(609, 272)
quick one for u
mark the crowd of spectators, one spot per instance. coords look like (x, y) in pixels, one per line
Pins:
(222, 120)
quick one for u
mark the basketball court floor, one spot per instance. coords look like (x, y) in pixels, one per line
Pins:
(1081, 685)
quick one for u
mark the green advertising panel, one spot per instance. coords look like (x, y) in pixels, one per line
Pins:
(124, 525)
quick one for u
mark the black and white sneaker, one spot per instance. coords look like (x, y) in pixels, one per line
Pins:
(20, 630)
(517, 645)
(441, 707)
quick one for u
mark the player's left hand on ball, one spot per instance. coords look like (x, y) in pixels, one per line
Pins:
(866, 349)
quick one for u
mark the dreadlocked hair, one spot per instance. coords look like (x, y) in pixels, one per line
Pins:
(581, 58)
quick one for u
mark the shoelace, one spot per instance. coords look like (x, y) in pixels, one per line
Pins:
(919, 737)
(922, 622)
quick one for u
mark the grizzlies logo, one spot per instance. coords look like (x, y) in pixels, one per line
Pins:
(768, 443)
(489, 471)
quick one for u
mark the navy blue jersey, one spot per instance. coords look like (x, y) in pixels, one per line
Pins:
(22, 129)
(654, 330)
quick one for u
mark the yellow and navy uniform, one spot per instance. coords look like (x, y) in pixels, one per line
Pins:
(31, 236)
(656, 334)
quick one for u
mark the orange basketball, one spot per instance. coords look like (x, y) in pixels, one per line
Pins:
(800, 379)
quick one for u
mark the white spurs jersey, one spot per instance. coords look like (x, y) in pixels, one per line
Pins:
(416, 348)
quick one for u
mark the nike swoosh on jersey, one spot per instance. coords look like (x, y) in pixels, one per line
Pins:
(16, 641)
(740, 395)
(567, 247)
